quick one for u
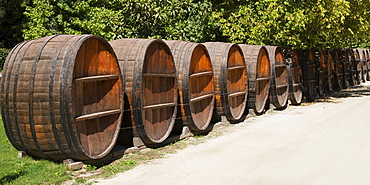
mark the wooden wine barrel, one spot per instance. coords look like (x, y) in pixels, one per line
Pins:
(358, 65)
(61, 97)
(294, 76)
(365, 70)
(279, 77)
(230, 79)
(367, 64)
(353, 67)
(258, 65)
(338, 69)
(195, 83)
(307, 59)
(346, 67)
(330, 71)
(150, 86)
(322, 82)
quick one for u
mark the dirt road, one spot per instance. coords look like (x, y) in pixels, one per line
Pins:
(324, 143)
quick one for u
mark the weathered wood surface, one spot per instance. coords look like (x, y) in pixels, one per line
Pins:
(295, 77)
(49, 109)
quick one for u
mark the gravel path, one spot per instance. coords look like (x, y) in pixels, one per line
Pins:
(324, 143)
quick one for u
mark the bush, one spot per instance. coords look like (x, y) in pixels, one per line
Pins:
(3, 54)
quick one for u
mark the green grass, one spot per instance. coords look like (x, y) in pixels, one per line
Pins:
(14, 170)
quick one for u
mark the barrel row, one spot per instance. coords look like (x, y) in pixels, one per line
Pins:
(326, 71)
(77, 96)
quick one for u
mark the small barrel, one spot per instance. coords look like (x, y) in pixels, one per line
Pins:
(307, 59)
(279, 77)
(61, 97)
(150, 86)
(294, 76)
(338, 69)
(258, 65)
(195, 84)
(230, 79)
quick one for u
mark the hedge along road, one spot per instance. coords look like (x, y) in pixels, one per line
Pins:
(324, 143)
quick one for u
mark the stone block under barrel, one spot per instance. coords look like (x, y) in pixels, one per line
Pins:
(61, 97)
(230, 79)
(279, 77)
(150, 86)
(258, 65)
(195, 84)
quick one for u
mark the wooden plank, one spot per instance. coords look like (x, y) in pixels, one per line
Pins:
(297, 84)
(263, 79)
(96, 78)
(281, 86)
(201, 74)
(201, 98)
(157, 106)
(235, 68)
(97, 115)
(237, 94)
(281, 65)
(159, 75)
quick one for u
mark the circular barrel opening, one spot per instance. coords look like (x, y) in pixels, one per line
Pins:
(201, 87)
(97, 96)
(236, 81)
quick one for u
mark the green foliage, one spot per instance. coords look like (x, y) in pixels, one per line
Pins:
(3, 54)
(184, 20)
(27, 170)
(296, 23)
(11, 21)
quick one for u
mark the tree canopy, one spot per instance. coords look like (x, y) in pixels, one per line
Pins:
(291, 23)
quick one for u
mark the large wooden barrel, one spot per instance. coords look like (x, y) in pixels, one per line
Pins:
(338, 69)
(195, 84)
(367, 64)
(308, 62)
(330, 71)
(352, 63)
(279, 77)
(294, 76)
(364, 55)
(230, 79)
(150, 86)
(61, 97)
(322, 82)
(346, 67)
(358, 65)
(258, 65)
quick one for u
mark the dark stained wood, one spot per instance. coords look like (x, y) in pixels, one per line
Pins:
(308, 61)
(338, 69)
(41, 97)
(258, 65)
(357, 66)
(230, 76)
(363, 60)
(195, 84)
(279, 77)
(330, 71)
(151, 89)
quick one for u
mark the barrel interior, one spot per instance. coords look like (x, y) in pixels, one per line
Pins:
(281, 78)
(201, 87)
(236, 81)
(262, 80)
(159, 91)
(96, 96)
